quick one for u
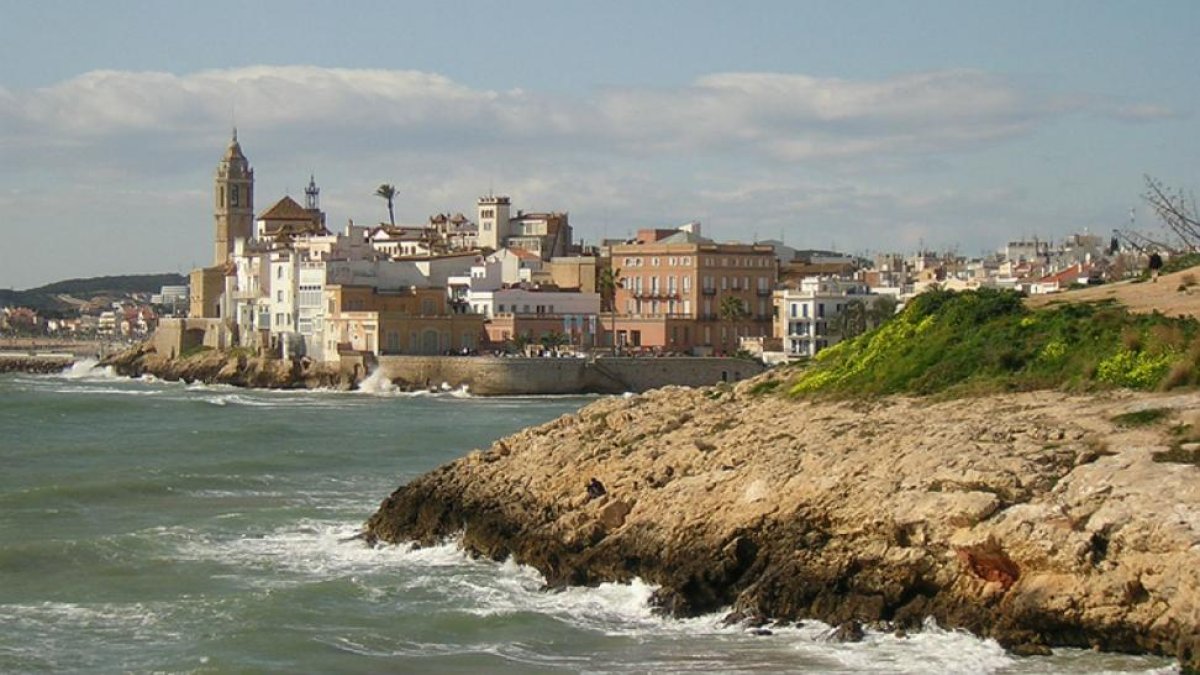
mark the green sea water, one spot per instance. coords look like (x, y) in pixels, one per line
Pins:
(157, 527)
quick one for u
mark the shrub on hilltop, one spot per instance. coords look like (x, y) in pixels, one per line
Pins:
(987, 341)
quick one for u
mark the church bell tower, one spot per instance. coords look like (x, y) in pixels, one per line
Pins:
(234, 194)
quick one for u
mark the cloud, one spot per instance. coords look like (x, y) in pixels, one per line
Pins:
(782, 117)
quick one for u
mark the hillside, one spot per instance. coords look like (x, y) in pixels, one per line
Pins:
(1164, 296)
(991, 341)
(56, 297)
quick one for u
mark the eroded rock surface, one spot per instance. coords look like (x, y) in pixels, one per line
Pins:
(1032, 518)
(218, 367)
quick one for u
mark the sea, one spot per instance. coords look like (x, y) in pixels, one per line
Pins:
(150, 526)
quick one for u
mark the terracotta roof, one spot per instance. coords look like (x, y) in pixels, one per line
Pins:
(286, 209)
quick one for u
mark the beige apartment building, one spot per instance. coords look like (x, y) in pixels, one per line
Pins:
(696, 297)
(408, 321)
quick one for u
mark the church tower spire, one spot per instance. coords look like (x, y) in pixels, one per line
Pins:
(233, 190)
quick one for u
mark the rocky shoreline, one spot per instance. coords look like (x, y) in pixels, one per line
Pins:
(233, 368)
(42, 364)
(1038, 519)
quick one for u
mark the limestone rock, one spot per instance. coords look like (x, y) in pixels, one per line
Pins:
(1032, 518)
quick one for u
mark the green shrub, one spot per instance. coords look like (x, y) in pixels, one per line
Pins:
(988, 341)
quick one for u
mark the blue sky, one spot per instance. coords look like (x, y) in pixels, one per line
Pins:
(863, 125)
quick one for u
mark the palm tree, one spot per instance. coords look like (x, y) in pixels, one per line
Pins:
(882, 310)
(555, 339)
(607, 282)
(388, 192)
(731, 308)
(853, 320)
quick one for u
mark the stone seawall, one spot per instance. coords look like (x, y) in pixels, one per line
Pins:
(489, 376)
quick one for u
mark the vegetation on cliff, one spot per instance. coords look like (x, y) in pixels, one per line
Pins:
(988, 341)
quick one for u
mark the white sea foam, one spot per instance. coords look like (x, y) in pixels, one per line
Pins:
(377, 384)
(90, 369)
(321, 550)
(93, 389)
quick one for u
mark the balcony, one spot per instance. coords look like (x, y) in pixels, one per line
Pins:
(708, 291)
(656, 295)
(765, 292)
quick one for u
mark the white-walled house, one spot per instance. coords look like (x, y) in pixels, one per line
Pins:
(806, 321)
(526, 302)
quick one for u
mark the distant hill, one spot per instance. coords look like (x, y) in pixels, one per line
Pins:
(46, 300)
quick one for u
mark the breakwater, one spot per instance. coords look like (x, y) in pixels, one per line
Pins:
(14, 362)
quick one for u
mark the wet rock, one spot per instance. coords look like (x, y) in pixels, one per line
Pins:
(849, 631)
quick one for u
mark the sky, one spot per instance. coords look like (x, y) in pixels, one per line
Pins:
(861, 126)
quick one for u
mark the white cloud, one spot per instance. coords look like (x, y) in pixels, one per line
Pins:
(786, 117)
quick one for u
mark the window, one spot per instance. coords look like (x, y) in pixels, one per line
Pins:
(233, 195)
(279, 296)
(654, 262)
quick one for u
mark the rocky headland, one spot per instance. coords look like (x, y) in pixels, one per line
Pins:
(233, 367)
(1040, 519)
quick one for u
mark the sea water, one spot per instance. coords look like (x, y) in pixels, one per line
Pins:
(153, 526)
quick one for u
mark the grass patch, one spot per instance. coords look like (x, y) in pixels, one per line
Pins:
(987, 341)
(764, 387)
(1142, 418)
(1179, 455)
(194, 351)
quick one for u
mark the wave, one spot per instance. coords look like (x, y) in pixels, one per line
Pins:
(90, 369)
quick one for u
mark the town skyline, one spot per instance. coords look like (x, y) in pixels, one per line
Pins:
(960, 127)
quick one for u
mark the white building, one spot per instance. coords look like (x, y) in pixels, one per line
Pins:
(807, 316)
(527, 302)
